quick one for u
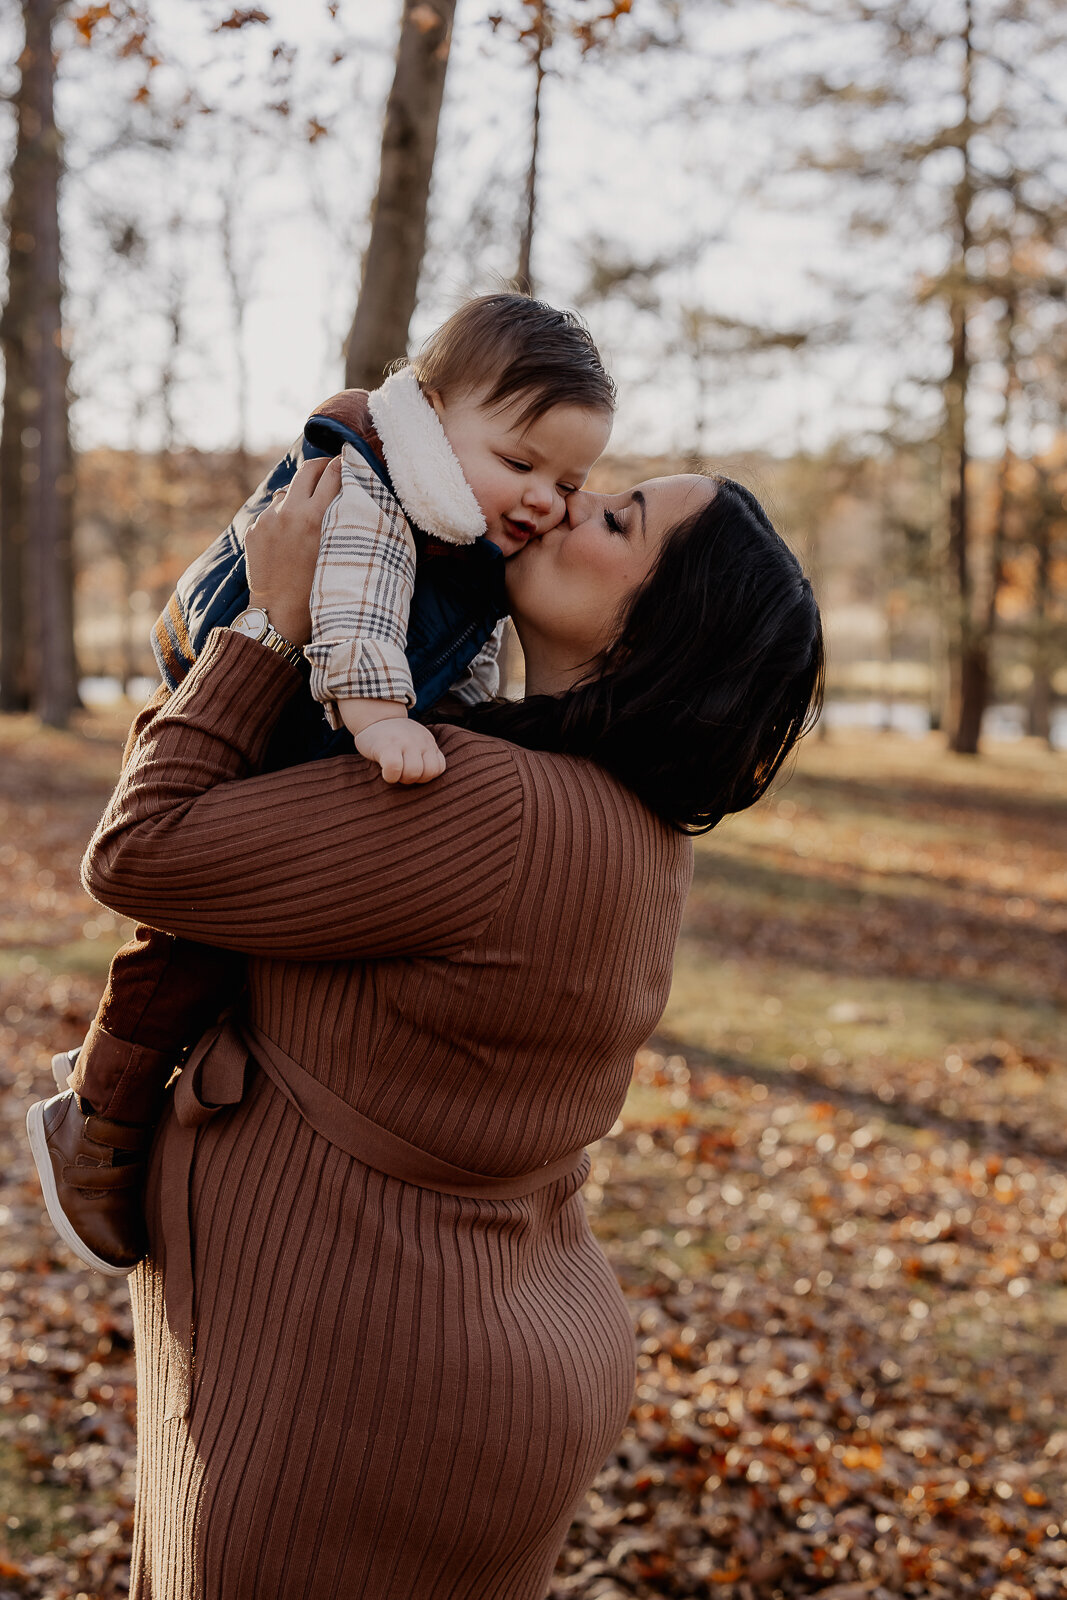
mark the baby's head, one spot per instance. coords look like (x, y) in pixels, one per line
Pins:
(525, 404)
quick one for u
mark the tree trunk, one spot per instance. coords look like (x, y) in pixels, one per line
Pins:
(965, 681)
(968, 659)
(1039, 701)
(14, 669)
(970, 695)
(524, 276)
(237, 278)
(34, 333)
(379, 332)
(16, 319)
(1039, 704)
(973, 654)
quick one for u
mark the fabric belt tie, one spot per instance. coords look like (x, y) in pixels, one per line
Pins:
(214, 1079)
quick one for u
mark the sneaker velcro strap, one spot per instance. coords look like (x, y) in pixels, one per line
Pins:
(117, 1135)
(101, 1178)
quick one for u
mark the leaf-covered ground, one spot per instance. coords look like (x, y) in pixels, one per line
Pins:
(836, 1201)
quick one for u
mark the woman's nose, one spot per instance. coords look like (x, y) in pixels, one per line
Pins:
(580, 505)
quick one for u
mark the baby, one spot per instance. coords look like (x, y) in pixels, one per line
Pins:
(474, 451)
(453, 464)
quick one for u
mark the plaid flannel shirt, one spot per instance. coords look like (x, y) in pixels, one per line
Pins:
(361, 595)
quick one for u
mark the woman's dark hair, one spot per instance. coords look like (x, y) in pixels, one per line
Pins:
(715, 673)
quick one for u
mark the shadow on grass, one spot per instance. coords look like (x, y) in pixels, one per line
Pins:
(740, 907)
(934, 800)
(997, 1132)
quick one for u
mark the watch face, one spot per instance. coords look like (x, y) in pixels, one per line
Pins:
(253, 622)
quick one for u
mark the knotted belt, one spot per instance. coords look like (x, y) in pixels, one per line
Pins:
(214, 1079)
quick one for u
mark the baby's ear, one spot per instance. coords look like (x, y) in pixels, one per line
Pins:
(436, 399)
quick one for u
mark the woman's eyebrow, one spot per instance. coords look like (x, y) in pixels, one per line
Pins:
(638, 499)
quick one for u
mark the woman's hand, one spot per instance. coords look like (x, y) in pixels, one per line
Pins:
(282, 546)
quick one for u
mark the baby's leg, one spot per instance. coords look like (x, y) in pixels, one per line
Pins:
(90, 1142)
(162, 993)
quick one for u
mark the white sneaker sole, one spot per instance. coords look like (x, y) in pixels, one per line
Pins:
(58, 1217)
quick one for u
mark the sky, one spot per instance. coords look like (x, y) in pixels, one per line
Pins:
(619, 163)
(661, 155)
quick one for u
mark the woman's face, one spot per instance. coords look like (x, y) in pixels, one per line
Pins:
(567, 588)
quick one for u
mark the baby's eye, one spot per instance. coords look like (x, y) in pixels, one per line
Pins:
(566, 488)
(517, 466)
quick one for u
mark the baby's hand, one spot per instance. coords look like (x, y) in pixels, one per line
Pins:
(405, 750)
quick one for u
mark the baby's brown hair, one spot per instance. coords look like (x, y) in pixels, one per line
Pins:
(516, 348)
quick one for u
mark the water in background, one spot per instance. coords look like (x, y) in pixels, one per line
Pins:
(108, 691)
(903, 716)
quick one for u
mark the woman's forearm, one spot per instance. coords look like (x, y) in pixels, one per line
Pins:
(181, 746)
(317, 862)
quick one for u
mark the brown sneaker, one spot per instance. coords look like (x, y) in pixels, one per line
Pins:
(91, 1172)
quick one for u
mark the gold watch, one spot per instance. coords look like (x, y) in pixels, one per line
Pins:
(255, 624)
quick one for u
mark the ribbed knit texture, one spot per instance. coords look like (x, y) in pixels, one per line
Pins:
(397, 1393)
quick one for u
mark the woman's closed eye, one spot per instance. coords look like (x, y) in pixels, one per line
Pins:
(613, 523)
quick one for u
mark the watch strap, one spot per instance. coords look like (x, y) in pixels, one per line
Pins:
(283, 647)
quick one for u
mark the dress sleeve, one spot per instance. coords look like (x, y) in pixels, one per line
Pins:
(319, 862)
(361, 595)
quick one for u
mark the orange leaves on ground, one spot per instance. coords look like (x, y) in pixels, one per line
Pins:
(813, 1408)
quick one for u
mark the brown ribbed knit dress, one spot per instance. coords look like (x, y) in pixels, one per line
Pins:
(397, 1392)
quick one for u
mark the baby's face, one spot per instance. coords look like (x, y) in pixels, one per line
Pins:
(521, 474)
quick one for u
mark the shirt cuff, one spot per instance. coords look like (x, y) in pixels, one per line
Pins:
(358, 669)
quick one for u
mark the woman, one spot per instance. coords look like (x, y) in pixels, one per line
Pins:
(379, 1352)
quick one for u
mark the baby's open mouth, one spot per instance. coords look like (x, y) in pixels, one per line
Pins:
(518, 530)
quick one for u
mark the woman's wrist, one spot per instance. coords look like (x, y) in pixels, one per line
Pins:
(282, 547)
(292, 622)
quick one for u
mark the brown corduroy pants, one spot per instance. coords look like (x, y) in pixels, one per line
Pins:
(161, 994)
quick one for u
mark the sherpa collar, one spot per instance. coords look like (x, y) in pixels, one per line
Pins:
(427, 477)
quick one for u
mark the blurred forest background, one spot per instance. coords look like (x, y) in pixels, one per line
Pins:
(822, 244)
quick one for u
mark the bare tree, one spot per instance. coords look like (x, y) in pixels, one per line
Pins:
(949, 136)
(38, 483)
(387, 293)
(239, 268)
(536, 27)
(540, 38)
(16, 318)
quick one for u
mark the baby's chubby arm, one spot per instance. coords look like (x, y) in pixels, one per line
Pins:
(360, 599)
(383, 732)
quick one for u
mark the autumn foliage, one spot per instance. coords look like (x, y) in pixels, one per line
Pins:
(837, 1200)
